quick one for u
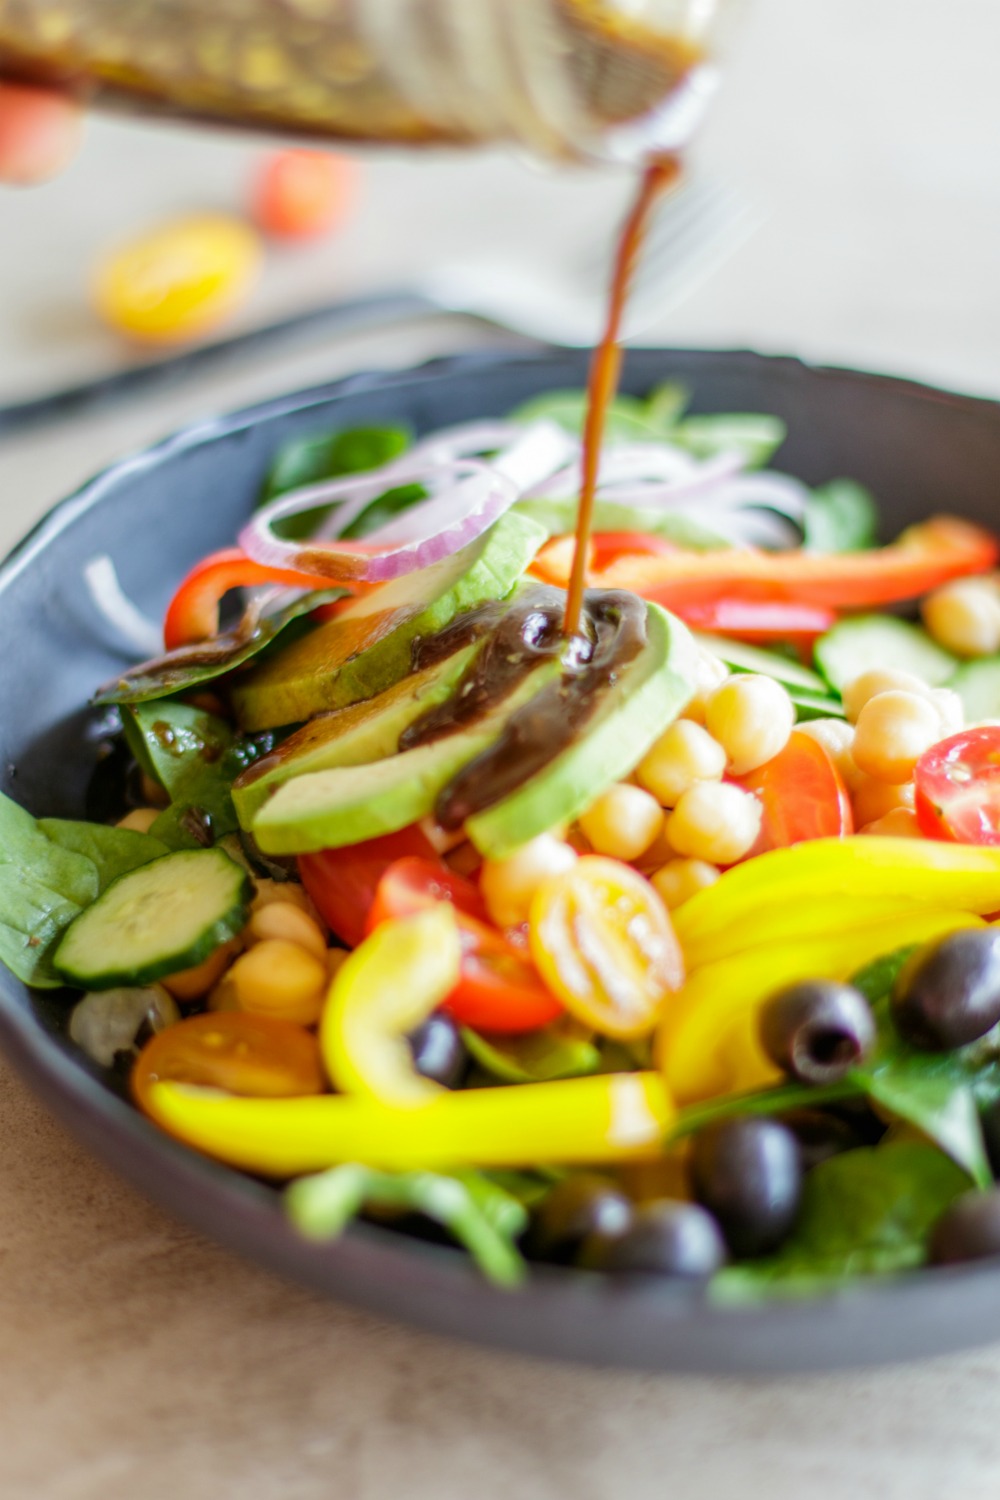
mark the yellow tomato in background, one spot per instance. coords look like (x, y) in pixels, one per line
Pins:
(178, 281)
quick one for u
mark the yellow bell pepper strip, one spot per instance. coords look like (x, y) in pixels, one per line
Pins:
(608, 1118)
(802, 879)
(707, 1043)
(920, 559)
(390, 983)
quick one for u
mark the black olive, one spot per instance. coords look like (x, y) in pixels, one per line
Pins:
(969, 1229)
(990, 1121)
(582, 1207)
(817, 1031)
(948, 993)
(666, 1238)
(748, 1173)
(438, 1050)
(820, 1134)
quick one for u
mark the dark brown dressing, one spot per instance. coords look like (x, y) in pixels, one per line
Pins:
(592, 662)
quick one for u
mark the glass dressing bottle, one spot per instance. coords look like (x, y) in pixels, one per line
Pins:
(583, 79)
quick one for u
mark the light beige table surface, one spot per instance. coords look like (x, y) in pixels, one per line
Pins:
(138, 1360)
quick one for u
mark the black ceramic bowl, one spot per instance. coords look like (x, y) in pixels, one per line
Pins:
(920, 450)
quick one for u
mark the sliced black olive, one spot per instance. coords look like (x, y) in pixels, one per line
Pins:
(584, 1207)
(666, 1238)
(990, 1121)
(969, 1229)
(748, 1173)
(438, 1051)
(948, 993)
(817, 1031)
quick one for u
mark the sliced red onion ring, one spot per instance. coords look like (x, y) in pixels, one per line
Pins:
(639, 462)
(466, 497)
(136, 631)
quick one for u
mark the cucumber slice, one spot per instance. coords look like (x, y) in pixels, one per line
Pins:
(866, 641)
(815, 705)
(977, 683)
(744, 658)
(166, 916)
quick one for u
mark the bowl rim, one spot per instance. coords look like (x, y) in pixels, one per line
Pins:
(195, 1188)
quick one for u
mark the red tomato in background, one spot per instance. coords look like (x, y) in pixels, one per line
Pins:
(342, 882)
(500, 989)
(301, 193)
(802, 796)
(958, 788)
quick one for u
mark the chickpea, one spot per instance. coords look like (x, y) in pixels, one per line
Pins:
(684, 753)
(893, 731)
(191, 984)
(623, 821)
(873, 799)
(867, 685)
(509, 884)
(283, 919)
(267, 890)
(278, 978)
(901, 823)
(714, 822)
(837, 737)
(709, 673)
(964, 616)
(751, 717)
(679, 879)
(140, 819)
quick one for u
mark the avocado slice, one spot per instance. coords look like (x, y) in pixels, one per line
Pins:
(327, 809)
(633, 712)
(367, 648)
(350, 736)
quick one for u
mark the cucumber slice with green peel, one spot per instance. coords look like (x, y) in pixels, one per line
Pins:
(166, 916)
(867, 641)
(815, 705)
(977, 683)
(352, 736)
(744, 658)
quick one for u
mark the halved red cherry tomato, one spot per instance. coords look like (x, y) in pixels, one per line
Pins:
(193, 613)
(500, 989)
(301, 193)
(801, 794)
(343, 882)
(257, 1057)
(958, 788)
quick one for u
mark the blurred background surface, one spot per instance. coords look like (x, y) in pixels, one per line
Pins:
(141, 1361)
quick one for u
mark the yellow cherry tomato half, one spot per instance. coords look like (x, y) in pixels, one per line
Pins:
(603, 941)
(180, 280)
(257, 1057)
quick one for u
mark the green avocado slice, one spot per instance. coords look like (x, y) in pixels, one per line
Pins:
(632, 714)
(351, 736)
(366, 648)
(327, 809)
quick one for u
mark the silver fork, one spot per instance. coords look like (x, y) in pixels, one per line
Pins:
(696, 229)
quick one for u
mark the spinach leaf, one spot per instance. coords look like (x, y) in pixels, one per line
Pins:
(840, 517)
(753, 434)
(306, 461)
(195, 757)
(50, 871)
(876, 979)
(866, 1211)
(112, 851)
(479, 1213)
(535, 1057)
(185, 668)
(628, 419)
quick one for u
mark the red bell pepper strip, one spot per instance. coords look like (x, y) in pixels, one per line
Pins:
(922, 557)
(500, 989)
(342, 882)
(193, 613)
(760, 620)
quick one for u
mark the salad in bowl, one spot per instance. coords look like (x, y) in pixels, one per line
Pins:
(663, 949)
